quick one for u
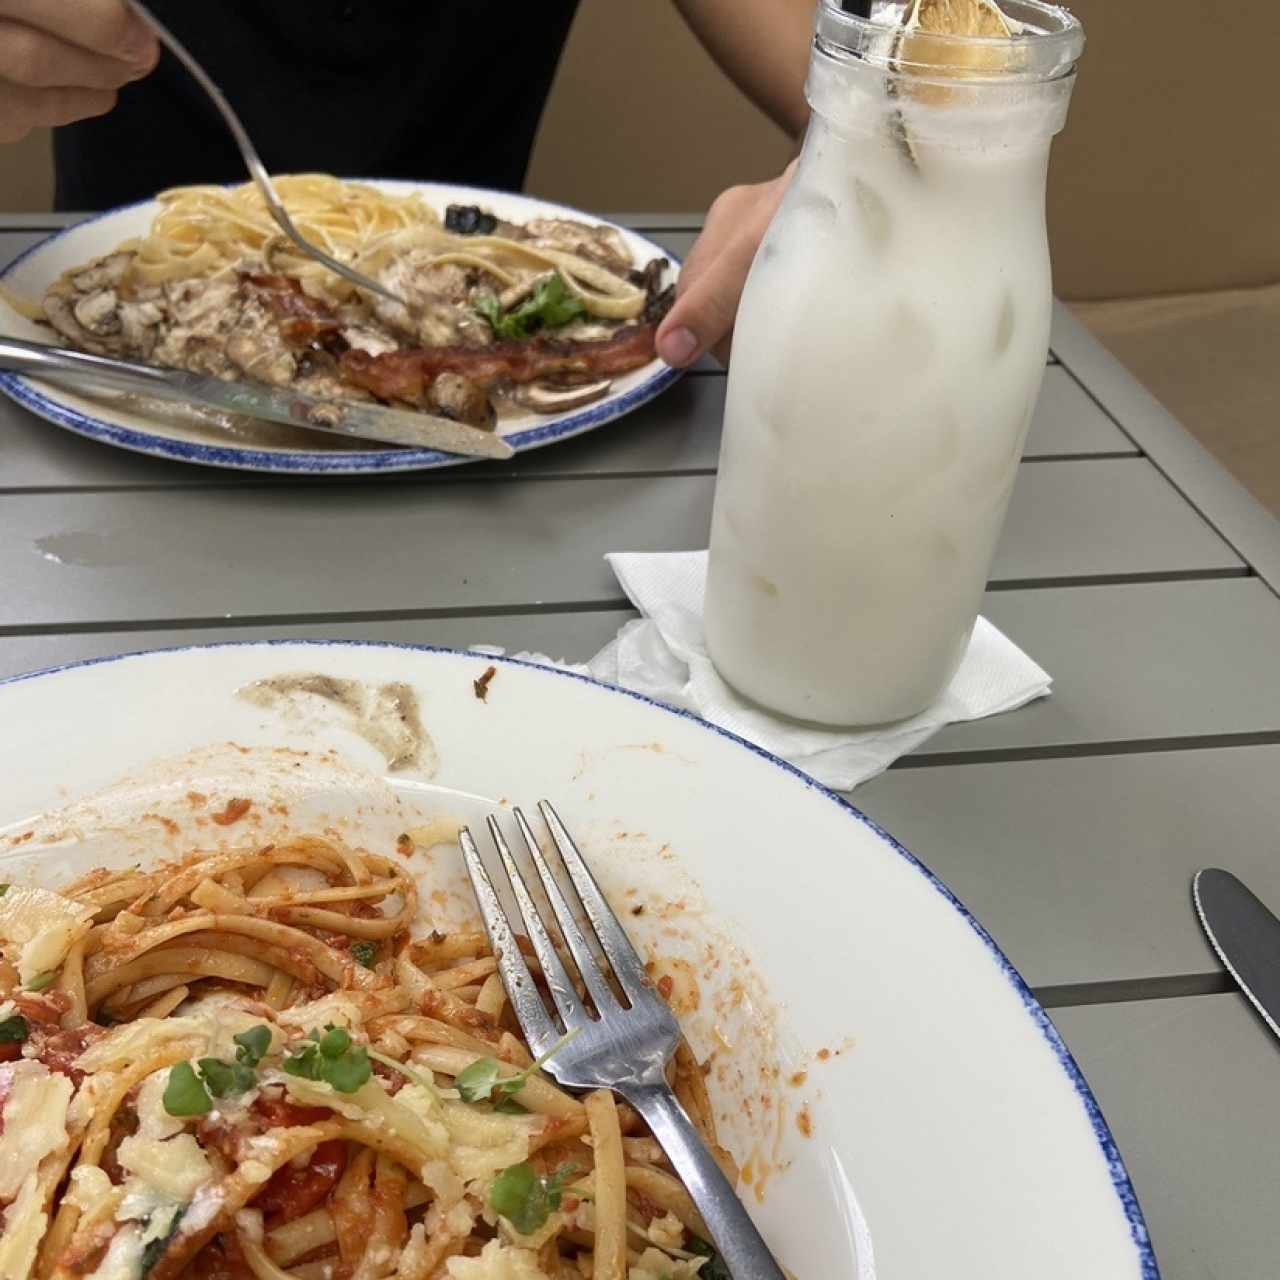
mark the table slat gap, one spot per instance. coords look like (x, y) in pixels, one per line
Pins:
(1120, 579)
(1070, 995)
(1077, 750)
(606, 605)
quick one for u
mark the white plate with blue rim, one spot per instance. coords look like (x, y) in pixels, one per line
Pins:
(185, 436)
(899, 1103)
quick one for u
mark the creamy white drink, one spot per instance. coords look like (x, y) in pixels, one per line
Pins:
(888, 353)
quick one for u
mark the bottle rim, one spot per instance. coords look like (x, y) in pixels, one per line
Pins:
(1046, 45)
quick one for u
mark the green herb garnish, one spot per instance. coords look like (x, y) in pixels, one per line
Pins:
(481, 1080)
(188, 1092)
(477, 1082)
(224, 1078)
(153, 1250)
(41, 980)
(252, 1045)
(365, 953)
(14, 1029)
(332, 1059)
(184, 1094)
(713, 1268)
(549, 306)
(4, 888)
(525, 1199)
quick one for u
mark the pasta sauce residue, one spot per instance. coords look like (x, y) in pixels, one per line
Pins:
(386, 716)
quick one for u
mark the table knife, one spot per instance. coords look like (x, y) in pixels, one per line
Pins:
(1246, 936)
(350, 418)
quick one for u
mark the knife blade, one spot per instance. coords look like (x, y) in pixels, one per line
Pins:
(1246, 936)
(348, 418)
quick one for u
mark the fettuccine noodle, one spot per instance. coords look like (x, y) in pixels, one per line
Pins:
(242, 1066)
(201, 231)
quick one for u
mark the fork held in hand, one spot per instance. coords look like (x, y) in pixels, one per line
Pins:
(253, 162)
(625, 1047)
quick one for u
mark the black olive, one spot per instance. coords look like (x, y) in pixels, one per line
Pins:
(468, 220)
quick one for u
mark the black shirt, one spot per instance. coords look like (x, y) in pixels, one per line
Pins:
(446, 91)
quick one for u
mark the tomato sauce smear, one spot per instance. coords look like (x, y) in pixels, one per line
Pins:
(293, 1191)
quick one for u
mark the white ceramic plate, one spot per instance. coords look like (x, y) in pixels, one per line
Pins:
(907, 1104)
(283, 449)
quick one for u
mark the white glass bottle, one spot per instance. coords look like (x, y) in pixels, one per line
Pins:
(887, 356)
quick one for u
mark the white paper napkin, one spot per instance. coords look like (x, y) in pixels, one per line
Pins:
(663, 655)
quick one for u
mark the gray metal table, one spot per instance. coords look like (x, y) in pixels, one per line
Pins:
(1133, 568)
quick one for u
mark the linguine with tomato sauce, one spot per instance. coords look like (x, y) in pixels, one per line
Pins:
(241, 1066)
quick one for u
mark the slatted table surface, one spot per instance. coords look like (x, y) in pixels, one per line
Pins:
(1132, 567)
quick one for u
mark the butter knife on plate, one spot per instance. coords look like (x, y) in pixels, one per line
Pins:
(350, 419)
(1246, 936)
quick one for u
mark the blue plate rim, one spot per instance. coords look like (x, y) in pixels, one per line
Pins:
(364, 462)
(1121, 1182)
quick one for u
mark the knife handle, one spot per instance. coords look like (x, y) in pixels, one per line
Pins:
(41, 360)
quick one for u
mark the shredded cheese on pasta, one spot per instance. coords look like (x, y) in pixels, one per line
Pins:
(303, 1103)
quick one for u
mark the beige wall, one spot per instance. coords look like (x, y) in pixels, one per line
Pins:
(1166, 180)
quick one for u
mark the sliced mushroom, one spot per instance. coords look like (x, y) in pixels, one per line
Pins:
(261, 357)
(200, 303)
(108, 271)
(365, 338)
(200, 354)
(453, 396)
(655, 310)
(599, 243)
(588, 329)
(98, 313)
(59, 311)
(545, 397)
(139, 323)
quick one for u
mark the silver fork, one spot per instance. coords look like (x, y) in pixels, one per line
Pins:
(626, 1047)
(253, 162)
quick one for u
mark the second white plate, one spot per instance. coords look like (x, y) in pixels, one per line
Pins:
(284, 449)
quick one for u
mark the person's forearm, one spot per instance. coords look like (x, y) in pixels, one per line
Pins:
(763, 46)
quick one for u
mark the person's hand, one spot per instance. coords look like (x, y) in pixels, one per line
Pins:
(710, 284)
(63, 60)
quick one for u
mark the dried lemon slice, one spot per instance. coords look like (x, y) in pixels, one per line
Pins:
(957, 18)
(917, 50)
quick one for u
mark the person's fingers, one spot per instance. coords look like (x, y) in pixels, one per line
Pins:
(23, 109)
(104, 26)
(711, 282)
(703, 311)
(39, 60)
(725, 212)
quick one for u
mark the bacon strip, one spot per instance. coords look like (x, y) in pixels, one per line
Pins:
(304, 321)
(406, 375)
(285, 296)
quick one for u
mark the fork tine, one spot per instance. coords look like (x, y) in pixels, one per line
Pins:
(531, 1013)
(627, 964)
(574, 938)
(570, 1008)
